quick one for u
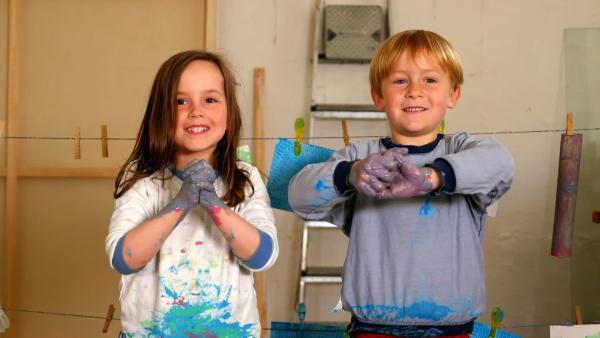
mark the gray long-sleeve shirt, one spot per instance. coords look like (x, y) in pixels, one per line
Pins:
(411, 261)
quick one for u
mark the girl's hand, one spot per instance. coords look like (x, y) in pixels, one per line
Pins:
(205, 178)
(197, 176)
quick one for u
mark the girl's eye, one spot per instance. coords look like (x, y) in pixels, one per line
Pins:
(211, 100)
(181, 102)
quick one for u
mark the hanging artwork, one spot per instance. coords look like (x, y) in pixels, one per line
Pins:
(286, 163)
(575, 331)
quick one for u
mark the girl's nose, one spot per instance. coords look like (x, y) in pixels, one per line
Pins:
(195, 111)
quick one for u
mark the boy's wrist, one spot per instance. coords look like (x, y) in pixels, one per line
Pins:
(433, 177)
(446, 175)
(341, 179)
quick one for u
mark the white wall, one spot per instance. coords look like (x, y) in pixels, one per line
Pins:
(513, 52)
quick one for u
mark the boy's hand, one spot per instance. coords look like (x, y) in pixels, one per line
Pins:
(373, 175)
(411, 180)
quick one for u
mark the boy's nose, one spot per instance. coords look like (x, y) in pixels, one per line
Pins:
(414, 90)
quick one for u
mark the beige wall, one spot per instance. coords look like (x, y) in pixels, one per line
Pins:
(82, 64)
(86, 63)
(513, 53)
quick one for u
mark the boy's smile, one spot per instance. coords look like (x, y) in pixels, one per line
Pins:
(415, 95)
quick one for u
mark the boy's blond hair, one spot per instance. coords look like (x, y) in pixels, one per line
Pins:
(415, 42)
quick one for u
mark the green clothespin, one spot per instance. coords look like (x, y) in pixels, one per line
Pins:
(442, 128)
(299, 127)
(243, 154)
(497, 317)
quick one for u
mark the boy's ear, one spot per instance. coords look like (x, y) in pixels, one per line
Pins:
(454, 96)
(377, 101)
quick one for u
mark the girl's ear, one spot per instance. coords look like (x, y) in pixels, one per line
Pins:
(454, 96)
(377, 101)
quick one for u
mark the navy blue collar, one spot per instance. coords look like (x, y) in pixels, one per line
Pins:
(387, 142)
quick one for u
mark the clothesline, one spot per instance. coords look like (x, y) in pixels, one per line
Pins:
(291, 138)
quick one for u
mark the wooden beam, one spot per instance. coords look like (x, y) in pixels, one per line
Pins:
(258, 154)
(211, 27)
(12, 151)
(45, 172)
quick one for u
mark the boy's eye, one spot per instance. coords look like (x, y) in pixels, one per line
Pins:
(430, 80)
(181, 102)
(400, 81)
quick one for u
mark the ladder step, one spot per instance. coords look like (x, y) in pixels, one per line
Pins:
(344, 107)
(321, 279)
(319, 224)
(323, 271)
(347, 111)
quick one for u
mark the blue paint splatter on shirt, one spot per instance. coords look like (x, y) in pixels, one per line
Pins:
(207, 316)
(421, 310)
(326, 191)
(427, 210)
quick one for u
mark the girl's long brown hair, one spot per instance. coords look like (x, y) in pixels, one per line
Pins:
(155, 146)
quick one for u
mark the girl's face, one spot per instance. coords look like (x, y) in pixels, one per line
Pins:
(415, 96)
(201, 113)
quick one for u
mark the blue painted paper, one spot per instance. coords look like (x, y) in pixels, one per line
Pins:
(286, 164)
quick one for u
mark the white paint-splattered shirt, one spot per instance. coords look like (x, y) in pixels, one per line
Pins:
(195, 286)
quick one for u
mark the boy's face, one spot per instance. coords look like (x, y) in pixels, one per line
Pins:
(415, 96)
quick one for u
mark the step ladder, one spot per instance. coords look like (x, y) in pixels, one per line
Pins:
(315, 275)
(329, 60)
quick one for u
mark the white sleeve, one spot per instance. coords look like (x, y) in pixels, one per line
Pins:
(256, 210)
(131, 209)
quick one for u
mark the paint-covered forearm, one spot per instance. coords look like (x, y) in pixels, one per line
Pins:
(118, 260)
(263, 253)
(243, 238)
(142, 243)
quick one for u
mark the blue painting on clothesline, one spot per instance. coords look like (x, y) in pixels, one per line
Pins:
(286, 164)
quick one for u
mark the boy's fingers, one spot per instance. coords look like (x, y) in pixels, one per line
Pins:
(376, 184)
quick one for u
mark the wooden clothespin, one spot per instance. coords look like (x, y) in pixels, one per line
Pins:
(578, 318)
(104, 139)
(109, 317)
(78, 143)
(299, 128)
(569, 123)
(345, 133)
